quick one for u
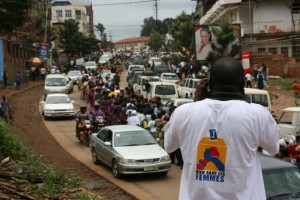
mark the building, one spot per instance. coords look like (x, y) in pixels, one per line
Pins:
(134, 43)
(22, 43)
(63, 10)
(269, 27)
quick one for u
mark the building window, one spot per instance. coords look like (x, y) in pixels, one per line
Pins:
(78, 14)
(68, 13)
(285, 51)
(261, 50)
(273, 50)
(59, 13)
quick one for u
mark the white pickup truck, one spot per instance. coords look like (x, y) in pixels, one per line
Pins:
(289, 123)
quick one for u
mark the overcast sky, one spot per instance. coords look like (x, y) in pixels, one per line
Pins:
(124, 21)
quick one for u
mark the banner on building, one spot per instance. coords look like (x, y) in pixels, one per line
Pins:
(1, 60)
(44, 47)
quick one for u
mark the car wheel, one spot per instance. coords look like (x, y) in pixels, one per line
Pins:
(45, 117)
(115, 169)
(94, 157)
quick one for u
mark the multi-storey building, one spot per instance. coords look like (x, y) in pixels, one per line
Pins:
(64, 9)
(268, 27)
(20, 45)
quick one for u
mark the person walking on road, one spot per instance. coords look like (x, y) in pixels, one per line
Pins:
(296, 89)
(249, 79)
(18, 80)
(4, 77)
(219, 139)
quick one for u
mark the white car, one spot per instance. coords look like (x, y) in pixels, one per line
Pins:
(58, 105)
(169, 77)
(74, 75)
(134, 68)
(129, 149)
(90, 65)
(139, 83)
(188, 87)
(154, 60)
(176, 102)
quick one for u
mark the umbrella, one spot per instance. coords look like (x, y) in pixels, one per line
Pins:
(35, 60)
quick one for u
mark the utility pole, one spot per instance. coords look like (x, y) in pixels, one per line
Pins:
(156, 9)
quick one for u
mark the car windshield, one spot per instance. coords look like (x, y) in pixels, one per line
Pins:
(133, 138)
(281, 181)
(286, 117)
(165, 90)
(55, 82)
(170, 77)
(57, 99)
(74, 73)
(261, 99)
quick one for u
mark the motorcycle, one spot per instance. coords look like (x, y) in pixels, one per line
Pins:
(100, 122)
(85, 130)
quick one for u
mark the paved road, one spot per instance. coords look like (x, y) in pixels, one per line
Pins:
(142, 186)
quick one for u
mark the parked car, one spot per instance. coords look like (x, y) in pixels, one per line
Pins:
(55, 83)
(159, 69)
(289, 123)
(165, 91)
(105, 58)
(261, 97)
(58, 105)
(188, 87)
(135, 67)
(281, 178)
(154, 60)
(129, 149)
(90, 65)
(131, 75)
(74, 75)
(139, 83)
(169, 77)
(176, 102)
(70, 84)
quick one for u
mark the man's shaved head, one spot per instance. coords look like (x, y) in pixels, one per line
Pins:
(227, 75)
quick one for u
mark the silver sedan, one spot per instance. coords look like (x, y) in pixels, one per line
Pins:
(129, 149)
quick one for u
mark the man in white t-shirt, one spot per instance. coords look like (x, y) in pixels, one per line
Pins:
(133, 119)
(249, 79)
(219, 137)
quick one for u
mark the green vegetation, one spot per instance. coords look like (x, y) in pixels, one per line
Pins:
(29, 173)
(285, 84)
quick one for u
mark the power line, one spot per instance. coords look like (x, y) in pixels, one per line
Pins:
(130, 2)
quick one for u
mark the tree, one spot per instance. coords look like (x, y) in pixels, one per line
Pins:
(104, 43)
(151, 24)
(155, 42)
(12, 13)
(226, 42)
(182, 30)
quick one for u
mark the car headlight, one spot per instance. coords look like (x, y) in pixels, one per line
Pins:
(48, 110)
(165, 158)
(126, 161)
(70, 110)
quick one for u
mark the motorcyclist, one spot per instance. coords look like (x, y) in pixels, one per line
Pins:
(95, 112)
(80, 116)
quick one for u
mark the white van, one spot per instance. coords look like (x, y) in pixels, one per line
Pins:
(165, 91)
(261, 97)
(56, 83)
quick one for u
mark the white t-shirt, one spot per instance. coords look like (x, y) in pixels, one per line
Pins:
(248, 77)
(133, 120)
(152, 126)
(218, 142)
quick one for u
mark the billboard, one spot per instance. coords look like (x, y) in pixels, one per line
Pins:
(44, 47)
(204, 38)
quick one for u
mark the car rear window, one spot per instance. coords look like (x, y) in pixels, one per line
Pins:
(165, 90)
